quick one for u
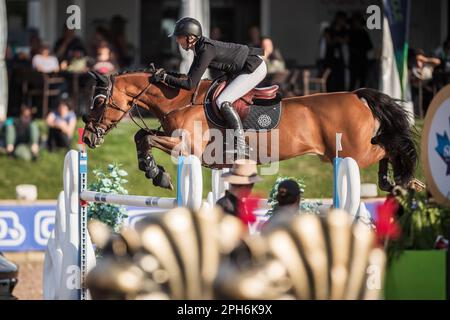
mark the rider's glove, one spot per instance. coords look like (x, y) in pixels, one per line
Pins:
(159, 77)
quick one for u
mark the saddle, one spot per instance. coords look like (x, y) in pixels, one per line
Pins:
(258, 109)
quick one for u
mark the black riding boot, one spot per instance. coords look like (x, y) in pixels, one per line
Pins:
(234, 122)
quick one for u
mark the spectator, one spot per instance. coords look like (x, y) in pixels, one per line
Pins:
(67, 44)
(100, 37)
(61, 123)
(119, 41)
(216, 33)
(34, 42)
(443, 53)
(44, 62)
(2, 134)
(104, 63)
(288, 198)
(424, 66)
(255, 37)
(359, 44)
(336, 38)
(22, 135)
(242, 177)
(79, 63)
(272, 56)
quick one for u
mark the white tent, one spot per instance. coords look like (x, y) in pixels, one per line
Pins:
(198, 9)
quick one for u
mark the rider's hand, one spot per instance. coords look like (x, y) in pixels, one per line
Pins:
(158, 77)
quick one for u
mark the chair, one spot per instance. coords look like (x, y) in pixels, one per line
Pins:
(41, 84)
(320, 82)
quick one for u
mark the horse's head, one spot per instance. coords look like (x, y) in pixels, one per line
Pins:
(105, 112)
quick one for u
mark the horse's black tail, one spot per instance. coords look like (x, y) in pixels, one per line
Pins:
(395, 135)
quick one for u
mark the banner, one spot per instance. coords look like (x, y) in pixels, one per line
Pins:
(28, 227)
(395, 47)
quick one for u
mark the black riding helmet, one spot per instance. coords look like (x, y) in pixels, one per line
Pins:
(187, 27)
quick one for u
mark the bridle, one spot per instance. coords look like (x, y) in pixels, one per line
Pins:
(96, 126)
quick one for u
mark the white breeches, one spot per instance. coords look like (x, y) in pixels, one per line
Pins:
(242, 84)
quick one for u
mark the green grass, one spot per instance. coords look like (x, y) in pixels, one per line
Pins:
(46, 172)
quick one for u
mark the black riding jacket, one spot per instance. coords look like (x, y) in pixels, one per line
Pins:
(232, 58)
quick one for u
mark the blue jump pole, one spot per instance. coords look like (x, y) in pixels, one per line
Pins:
(180, 165)
(336, 162)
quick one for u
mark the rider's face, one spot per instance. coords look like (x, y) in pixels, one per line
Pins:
(185, 42)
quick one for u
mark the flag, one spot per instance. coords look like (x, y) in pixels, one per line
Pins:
(394, 57)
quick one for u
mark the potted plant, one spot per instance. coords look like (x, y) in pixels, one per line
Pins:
(416, 259)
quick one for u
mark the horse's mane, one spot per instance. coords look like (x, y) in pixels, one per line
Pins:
(126, 72)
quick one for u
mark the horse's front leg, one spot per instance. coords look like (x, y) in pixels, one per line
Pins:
(145, 141)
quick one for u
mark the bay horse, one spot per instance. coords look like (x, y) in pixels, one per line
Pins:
(375, 127)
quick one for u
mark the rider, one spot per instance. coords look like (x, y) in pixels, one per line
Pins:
(243, 64)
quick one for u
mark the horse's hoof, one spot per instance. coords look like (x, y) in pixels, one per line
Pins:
(384, 184)
(416, 185)
(163, 179)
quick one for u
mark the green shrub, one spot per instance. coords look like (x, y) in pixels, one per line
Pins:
(110, 182)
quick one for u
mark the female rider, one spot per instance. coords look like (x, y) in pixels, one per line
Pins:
(243, 64)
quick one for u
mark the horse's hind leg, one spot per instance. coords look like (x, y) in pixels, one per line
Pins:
(383, 179)
(146, 161)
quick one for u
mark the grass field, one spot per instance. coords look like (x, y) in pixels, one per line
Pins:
(46, 172)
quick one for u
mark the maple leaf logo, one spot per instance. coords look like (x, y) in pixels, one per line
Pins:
(443, 149)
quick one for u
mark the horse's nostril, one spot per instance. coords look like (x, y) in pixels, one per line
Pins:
(86, 140)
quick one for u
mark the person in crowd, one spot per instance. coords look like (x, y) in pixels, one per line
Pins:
(119, 43)
(216, 33)
(61, 126)
(272, 56)
(336, 39)
(22, 135)
(34, 42)
(288, 198)
(241, 178)
(443, 53)
(359, 44)
(2, 134)
(100, 37)
(45, 62)
(67, 44)
(254, 36)
(104, 61)
(424, 66)
(79, 62)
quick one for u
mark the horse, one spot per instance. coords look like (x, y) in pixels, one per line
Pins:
(375, 127)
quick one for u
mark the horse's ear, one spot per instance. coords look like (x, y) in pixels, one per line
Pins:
(99, 77)
(152, 68)
(93, 74)
(104, 80)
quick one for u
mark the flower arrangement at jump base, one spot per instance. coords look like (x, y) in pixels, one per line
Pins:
(111, 181)
(412, 228)
(418, 218)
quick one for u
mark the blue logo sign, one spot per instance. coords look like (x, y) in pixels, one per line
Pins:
(443, 149)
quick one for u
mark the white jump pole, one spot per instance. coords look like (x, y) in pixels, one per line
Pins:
(128, 200)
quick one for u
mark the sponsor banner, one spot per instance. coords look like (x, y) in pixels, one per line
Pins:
(28, 227)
